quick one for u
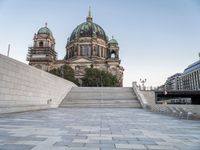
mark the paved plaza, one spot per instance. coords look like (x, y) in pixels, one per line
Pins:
(97, 129)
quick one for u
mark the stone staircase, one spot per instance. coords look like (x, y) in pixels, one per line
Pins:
(119, 97)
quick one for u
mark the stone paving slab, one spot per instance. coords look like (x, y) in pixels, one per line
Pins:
(97, 129)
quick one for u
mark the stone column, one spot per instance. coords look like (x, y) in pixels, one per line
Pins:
(79, 53)
(92, 49)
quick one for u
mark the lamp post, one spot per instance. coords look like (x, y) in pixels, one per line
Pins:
(199, 55)
(8, 52)
(101, 88)
(143, 81)
(165, 90)
(62, 72)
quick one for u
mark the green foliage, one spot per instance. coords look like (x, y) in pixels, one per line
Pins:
(95, 78)
(65, 72)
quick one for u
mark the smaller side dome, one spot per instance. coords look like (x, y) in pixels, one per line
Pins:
(113, 41)
(45, 30)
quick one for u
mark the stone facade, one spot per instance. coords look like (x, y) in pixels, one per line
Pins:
(87, 47)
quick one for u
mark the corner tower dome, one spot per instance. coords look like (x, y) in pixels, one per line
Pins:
(45, 30)
(88, 29)
(113, 41)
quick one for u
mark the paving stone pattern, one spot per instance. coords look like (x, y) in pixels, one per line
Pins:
(97, 129)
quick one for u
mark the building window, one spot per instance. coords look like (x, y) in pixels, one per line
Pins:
(38, 66)
(89, 50)
(101, 51)
(97, 51)
(83, 51)
(86, 50)
(41, 44)
(77, 68)
(113, 55)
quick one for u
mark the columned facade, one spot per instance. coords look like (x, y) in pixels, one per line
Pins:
(191, 80)
(87, 47)
(188, 80)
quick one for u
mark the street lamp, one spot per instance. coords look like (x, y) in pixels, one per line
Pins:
(143, 81)
(8, 52)
(101, 88)
(62, 72)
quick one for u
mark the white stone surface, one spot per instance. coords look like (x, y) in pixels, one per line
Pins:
(24, 88)
(139, 95)
(109, 97)
(147, 98)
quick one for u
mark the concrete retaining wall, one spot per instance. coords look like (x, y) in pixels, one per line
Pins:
(139, 95)
(147, 99)
(149, 96)
(24, 88)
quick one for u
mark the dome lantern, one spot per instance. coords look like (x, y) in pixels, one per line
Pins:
(89, 17)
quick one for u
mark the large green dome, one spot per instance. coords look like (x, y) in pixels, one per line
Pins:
(45, 30)
(88, 29)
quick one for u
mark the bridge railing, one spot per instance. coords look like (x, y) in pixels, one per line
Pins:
(148, 88)
(178, 110)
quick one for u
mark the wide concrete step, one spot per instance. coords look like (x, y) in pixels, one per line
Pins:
(101, 97)
(100, 91)
(102, 88)
(89, 102)
(101, 101)
(136, 105)
(98, 97)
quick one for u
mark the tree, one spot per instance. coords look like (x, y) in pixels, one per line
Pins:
(65, 72)
(95, 77)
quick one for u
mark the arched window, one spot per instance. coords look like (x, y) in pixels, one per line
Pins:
(41, 44)
(83, 50)
(97, 51)
(38, 66)
(89, 50)
(113, 55)
(77, 68)
(101, 51)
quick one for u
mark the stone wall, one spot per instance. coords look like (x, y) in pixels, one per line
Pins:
(139, 95)
(149, 96)
(24, 88)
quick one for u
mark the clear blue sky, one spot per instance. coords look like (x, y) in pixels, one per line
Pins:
(157, 38)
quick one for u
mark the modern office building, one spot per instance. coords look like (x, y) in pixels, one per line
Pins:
(191, 77)
(188, 80)
(173, 82)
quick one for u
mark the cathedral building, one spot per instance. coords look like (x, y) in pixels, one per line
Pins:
(88, 46)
